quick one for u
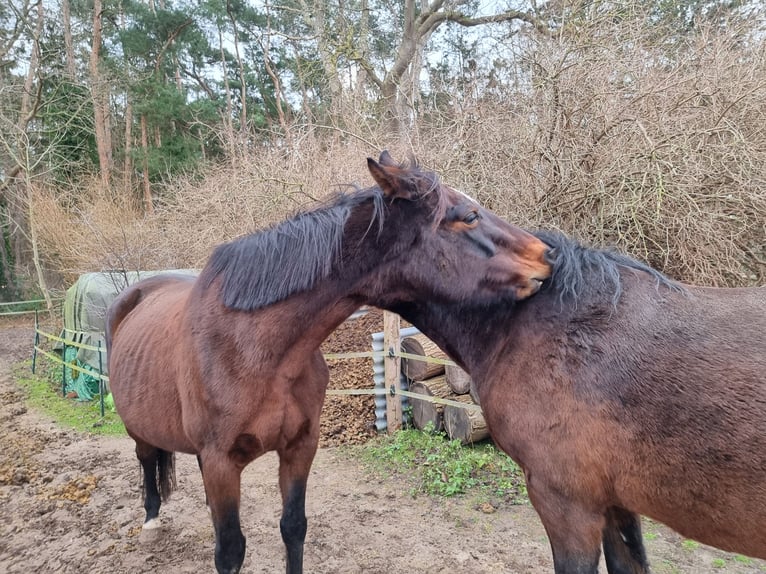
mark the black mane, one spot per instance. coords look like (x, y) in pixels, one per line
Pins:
(575, 267)
(270, 265)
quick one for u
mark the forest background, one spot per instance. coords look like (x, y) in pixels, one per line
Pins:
(138, 134)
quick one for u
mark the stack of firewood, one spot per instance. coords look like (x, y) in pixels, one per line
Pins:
(445, 381)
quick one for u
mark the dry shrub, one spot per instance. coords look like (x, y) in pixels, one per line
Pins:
(611, 132)
(84, 229)
(623, 139)
(233, 200)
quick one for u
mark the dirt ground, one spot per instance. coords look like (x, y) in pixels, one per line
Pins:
(70, 502)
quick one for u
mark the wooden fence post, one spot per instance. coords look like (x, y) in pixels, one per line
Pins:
(392, 369)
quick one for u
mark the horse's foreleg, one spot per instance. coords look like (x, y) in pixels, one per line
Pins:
(222, 487)
(623, 544)
(574, 530)
(294, 465)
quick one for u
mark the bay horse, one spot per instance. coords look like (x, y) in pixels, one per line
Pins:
(227, 366)
(620, 393)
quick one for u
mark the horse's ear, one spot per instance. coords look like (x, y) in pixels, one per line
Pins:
(389, 179)
(386, 159)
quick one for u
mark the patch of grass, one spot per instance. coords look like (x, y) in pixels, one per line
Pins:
(667, 567)
(718, 563)
(650, 535)
(435, 465)
(742, 559)
(690, 544)
(43, 393)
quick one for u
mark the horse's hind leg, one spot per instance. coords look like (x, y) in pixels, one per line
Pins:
(157, 466)
(623, 544)
(222, 483)
(199, 464)
(294, 466)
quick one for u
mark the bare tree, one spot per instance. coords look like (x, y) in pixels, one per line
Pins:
(100, 101)
(66, 21)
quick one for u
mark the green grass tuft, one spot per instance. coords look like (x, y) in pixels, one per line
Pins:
(43, 393)
(435, 465)
(690, 544)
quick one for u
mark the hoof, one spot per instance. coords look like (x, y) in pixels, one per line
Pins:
(152, 524)
(150, 534)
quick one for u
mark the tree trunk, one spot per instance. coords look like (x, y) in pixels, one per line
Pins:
(127, 177)
(27, 107)
(148, 205)
(420, 370)
(465, 424)
(242, 83)
(228, 116)
(424, 412)
(314, 14)
(66, 17)
(278, 96)
(457, 379)
(96, 88)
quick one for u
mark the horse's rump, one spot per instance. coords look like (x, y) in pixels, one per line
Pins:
(131, 297)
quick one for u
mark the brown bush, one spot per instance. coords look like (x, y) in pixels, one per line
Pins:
(612, 133)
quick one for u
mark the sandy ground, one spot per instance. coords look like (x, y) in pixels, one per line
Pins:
(70, 502)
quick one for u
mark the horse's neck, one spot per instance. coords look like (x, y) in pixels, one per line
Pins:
(304, 322)
(470, 336)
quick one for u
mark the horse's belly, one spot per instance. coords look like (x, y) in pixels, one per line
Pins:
(730, 515)
(143, 383)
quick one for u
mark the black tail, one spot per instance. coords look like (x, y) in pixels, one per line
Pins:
(166, 472)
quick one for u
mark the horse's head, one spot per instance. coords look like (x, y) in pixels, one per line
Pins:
(448, 246)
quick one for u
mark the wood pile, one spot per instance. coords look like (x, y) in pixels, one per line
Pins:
(445, 382)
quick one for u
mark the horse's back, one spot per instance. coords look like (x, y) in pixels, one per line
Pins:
(717, 334)
(174, 284)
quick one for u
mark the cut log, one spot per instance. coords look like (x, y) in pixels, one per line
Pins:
(466, 425)
(424, 412)
(457, 379)
(474, 393)
(420, 370)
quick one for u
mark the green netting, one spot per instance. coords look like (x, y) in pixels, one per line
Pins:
(84, 386)
(85, 308)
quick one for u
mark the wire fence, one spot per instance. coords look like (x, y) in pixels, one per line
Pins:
(103, 379)
(12, 308)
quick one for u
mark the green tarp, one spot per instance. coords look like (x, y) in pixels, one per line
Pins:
(85, 308)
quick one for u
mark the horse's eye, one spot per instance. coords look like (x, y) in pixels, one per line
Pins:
(471, 217)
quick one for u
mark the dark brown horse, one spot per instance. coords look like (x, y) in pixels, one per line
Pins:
(621, 393)
(228, 366)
